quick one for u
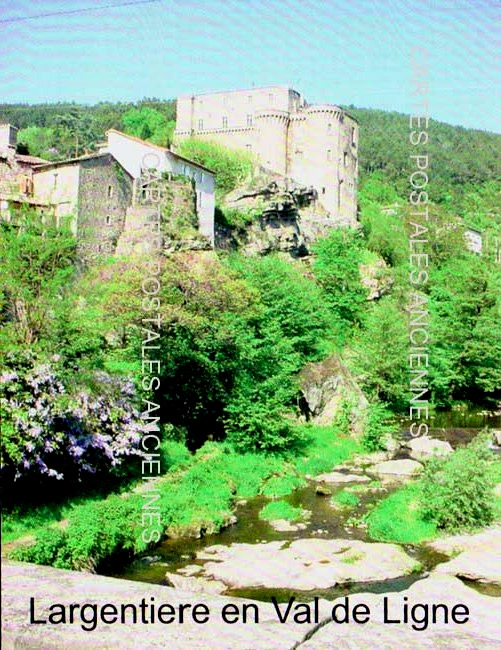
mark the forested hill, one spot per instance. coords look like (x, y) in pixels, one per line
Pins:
(460, 157)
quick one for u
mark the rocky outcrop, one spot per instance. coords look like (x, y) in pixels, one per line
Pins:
(424, 448)
(480, 566)
(376, 278)
(195, 585)
(340, 477)
(327, 386)
(305, 564)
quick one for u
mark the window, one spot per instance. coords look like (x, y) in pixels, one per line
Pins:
(299, 153)
(200, 199)
(249, 120)
(270, 98)
(329, 154)
(202, 177)
(345, 158)
(323, 190)
(55, 181)
(248, 147)
(329, 128)
(200, 125)
(249, 99)
(353, 135)
(185, 170)
(225, 122)
(108, 220)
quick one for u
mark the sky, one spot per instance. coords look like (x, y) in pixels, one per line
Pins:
(343, 52)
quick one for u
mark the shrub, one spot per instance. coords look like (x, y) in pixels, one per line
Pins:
(280, 486)
(281, 510)
(345, 498)
(323, 449)
(232, 167)
(48, 431)
(398, 518)
(378, 427)
(48, 549)
(457, 490)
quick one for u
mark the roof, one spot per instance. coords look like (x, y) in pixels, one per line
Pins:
(240, 90)
(30, 160)
(164, 149)
(69, 161)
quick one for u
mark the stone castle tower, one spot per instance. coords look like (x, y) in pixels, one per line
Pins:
(314, 145)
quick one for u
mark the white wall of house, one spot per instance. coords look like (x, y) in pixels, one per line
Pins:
(59, 186)
(135, 154)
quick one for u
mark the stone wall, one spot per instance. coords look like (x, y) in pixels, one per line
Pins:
(105, 192)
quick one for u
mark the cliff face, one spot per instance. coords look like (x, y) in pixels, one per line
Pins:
(274, 214)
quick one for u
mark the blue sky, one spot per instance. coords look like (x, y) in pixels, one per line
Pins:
(349, 52)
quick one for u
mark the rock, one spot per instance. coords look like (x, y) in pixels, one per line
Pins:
(376, 278)
(390, 443)
(150, 559)
(190, 569)
(480, 566)
(325, 386)
(195, 585)
(496, 436)
(487, 540)
(423, 448)
(305, 564)
(283, 526)
(21, 581)
(404, 467)
(340, 477)
(323, 491)
(480, 631)
(370, 459)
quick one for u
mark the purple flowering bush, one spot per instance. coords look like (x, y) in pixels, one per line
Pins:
(53, 429)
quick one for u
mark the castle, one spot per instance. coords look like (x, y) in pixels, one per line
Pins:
(315, 145)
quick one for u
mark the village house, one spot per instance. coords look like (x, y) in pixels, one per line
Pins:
(96, 191)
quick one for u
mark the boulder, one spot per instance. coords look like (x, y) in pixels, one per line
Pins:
(397, 468)
(423, 448)
(496, 437)
(325, 386)
(486, 540)
(284, 526)
(305, 564)
(323, 491)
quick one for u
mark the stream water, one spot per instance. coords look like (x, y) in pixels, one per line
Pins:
(325, 522)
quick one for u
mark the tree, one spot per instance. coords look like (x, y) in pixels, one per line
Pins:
(149, 124)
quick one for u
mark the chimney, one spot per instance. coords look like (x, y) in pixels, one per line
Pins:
(8, 138)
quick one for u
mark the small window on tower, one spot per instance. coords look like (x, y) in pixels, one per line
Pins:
(270, 98)
(200, 125)
(225, 122)
(249, 120)
(329, 154)
(249, 99)
(110, 191)
(345, 158)
(323, 190)
(329, 128)
(108, 220)
(248, 147)
(353, 135)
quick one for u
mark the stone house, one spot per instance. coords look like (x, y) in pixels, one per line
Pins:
(314, 145)
(136, 156)
(97, 191)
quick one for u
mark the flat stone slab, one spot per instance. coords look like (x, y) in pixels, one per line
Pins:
(480, 632)
(340, 477)
(305, 564)
(480, 566)
(286, 526)
(487, 540)
(21, 581)
(404, 467)
(424, 448)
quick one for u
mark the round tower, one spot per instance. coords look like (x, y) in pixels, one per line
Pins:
(271, 126)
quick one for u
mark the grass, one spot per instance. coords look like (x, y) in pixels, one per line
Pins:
(396, 518)
(325, 448)
(353, 559)
(281, 510)
(197, 495)
(345, 499)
